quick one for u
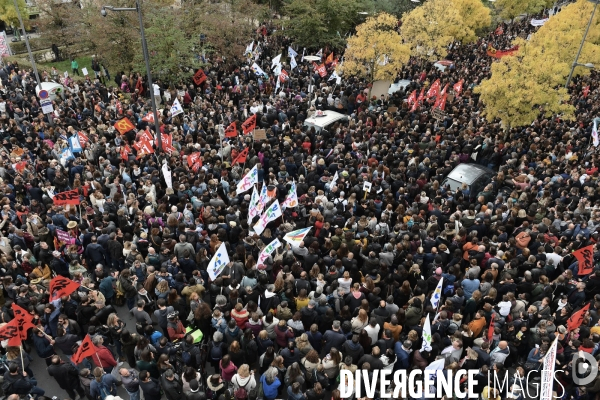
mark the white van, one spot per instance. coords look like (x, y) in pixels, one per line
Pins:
(324, 119)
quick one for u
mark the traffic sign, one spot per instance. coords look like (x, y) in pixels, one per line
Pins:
(43, 94)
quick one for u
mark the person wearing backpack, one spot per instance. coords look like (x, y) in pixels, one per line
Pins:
(171, 385)
(19, 383)
(190, 354)
(243, 382)
(103, 385)
(216, 350)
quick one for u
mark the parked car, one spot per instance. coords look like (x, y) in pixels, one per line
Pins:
(474, 175)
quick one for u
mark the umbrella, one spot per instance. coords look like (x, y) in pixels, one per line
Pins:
(312, 58)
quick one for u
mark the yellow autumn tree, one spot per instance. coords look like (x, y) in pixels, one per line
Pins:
(510, 9)
(376, 52)
(430, 28)
(531, 83)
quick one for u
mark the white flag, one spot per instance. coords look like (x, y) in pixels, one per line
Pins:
(538, 22)
(426, 346)
(295, 237)
(248, 52)
(176, 108)
(277, 70)
(333, 76)
(275, 61)
(277, 85)
(291, 52)
(252, 210)
(257, 70)
(320, 53)
(266, 252)
(437, 294)
(218, 262)
(293, 63)
(303, 51)
(270, 214)
(595, 138)
(333, 181)
(548, 372)
(291, 200)
(248, 181)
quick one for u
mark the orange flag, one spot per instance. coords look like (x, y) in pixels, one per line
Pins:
(231, 130)
(329, 58)
(87, 349)
(249, 125)
(124, 126)
(577, 318)
(585, 259)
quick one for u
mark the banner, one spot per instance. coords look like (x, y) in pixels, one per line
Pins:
(63, 198)
(321, 70)
(252, 209)
(74, 144)
(231, 130)
(65, 156)
(538, 22)
(218, 262)
(595, 139)
(291, 200)
(86, 349)
(176, 108)
(241, 158)
(257, 70)
(124, 125)
(295, 237)
(249, 124)
(167, 174)
(4, 46)
(426, 346)
(266, 252)
(199, 77)
(249, 180)
(548, 372)
(61, 286)
(143, 147)
(64, 237)
(492, 52)
(437, 294)
(576, 319)
(271, 214)
(585, 259)
(263, 199)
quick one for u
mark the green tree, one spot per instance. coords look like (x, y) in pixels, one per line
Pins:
(317, 23)
(510, 9)
(376, 52)
(8, 14)
(430, 28)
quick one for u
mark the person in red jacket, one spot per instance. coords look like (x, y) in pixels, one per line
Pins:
(103, 357)
(175, 328)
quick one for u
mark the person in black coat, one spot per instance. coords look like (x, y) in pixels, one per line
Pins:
(149, 386)
(66, 376)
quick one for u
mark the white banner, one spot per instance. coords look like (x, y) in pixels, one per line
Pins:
(266, 252)
(437, 294)
(538, 22)
(218, 262)
(252, 210)
(291, 200)
(548, 372)
(426, 346)
(295, 237)
(271, 213)
(167, 174)
(176, 108)
(248, 180)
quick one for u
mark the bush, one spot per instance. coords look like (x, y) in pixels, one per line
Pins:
(35, 43)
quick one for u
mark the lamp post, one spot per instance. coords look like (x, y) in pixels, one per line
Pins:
(138, 9)
(575, 63)
(35, 71)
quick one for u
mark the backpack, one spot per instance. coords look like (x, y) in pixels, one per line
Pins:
(216, 353)
(186, 357)
(104, 391)
(241, 393)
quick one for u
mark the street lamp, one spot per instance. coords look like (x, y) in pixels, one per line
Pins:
(575, 63)
(138, 9)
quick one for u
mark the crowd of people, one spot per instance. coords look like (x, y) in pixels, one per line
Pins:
(354, 294)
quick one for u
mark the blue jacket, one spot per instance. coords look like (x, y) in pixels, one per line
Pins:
(270, 390)
(401, 357)
(42, 346)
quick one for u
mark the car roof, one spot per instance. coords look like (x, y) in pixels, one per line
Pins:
(468, 173)
(327, 119)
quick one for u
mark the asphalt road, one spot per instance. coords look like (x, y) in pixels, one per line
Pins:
(48, 383)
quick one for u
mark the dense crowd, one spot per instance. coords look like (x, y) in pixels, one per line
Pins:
(355, 294)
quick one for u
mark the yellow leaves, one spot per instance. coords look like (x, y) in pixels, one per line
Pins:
(430, 28)
(510, 9)
(376, 51)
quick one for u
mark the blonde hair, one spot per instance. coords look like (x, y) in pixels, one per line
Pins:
(244, 371)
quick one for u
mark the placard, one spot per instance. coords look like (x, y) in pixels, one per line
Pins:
(260, 134)
(367, 186)
(47, 107)
(438, 114)
(84, 71)
(392, 110)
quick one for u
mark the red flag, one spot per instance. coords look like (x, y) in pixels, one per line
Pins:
(249, 125)
(125, 151)
(421, 96)
(586, 91)
(283, 76)
(458, 87)
(322, 70)
(329, 58)
(492, 52)
(143, 147)
(149, 117)
(193, 158)
(334, 63)
(124, 126)
(87, 349)
(442, 104)
(444, 90)
(585, 258)
(241, 158)
(231, 130)
(414, 107)
(167, 142)
(119, 108)
(24, 320)
(197, 166)
(63, 198)
(199, 77)
(412, 98)
(83, 139)
(491, 329)
(499, 31)
(434, 89)
(577, 318)
(61, 286)
(21, 313)
(11, 332)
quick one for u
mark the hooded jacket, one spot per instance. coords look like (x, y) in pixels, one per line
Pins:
(354, 350)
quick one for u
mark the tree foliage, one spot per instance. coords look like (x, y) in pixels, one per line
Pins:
(430, 28)
(317, 23)
(8, 14)
(376, 51)
(532, 82)
(510, 9)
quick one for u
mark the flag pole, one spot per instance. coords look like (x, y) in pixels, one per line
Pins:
(21, 353)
